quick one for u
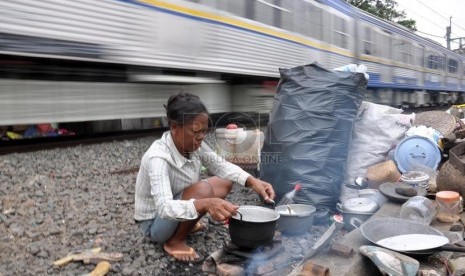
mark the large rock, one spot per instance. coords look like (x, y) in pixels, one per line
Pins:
(457, 266)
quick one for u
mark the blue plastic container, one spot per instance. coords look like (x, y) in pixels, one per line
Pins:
(414, 151)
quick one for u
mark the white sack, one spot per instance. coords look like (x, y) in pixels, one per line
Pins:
(377, 129)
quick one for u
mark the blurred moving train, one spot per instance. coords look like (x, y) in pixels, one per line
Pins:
(86, 60)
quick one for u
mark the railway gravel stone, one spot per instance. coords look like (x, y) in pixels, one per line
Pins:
(54, 202)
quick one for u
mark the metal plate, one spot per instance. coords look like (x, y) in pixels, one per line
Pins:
(413, 242)
(377, 229)
(388, 190)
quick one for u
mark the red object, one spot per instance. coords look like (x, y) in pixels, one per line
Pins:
(45, 128)
(338, 217)
(288, 198)
(231, 126)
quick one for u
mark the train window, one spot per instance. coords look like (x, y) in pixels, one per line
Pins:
(368, 48)
(433, 62)
(441, 63)
(419, 56)
(406, 53)
(264, 13)
(327, 30)
(236, 7)
(250, 10)
(316, 23)
(209, 3)
(340, 32)
(278, 14)
(301, 17)
(287, 18)
(383, 45)
(452, 66)
(403, 51)
(395, 49)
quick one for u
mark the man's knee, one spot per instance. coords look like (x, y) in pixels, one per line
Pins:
(197, 190)
(229, 185)
(222, 187)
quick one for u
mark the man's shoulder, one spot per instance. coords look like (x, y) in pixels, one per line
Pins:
(158, 149)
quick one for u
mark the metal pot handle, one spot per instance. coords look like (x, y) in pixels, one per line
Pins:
(355, 222)
(240, 215)
(271, 203)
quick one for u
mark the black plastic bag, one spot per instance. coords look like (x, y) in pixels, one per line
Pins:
(308, 134)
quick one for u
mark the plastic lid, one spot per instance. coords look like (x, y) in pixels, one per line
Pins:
(448, 196)
(417, 150)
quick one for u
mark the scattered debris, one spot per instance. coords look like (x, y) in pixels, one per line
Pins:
(101, 269)
(90, 256)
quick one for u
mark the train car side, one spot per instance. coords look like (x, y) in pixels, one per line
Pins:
(233, 48)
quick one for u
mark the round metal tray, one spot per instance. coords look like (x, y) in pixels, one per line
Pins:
(388, 190)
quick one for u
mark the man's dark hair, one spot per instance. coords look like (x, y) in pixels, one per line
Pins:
(183, 107)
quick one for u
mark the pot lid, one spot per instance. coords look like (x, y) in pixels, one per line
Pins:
(417, 150)
(360, 205)
(448, 196)
(255, 214)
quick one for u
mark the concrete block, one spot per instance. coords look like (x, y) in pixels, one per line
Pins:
(230, 270)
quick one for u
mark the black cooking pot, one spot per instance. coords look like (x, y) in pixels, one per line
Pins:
(253, 226)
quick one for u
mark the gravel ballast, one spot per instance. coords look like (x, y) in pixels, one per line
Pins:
(58, 201)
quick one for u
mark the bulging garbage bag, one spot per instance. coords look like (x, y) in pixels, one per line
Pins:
(308, 134)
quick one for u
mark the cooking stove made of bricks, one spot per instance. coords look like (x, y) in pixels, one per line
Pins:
(276, 259)
(268, 262)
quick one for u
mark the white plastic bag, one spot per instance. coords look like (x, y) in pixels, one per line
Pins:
(354, 68)
(377, 129)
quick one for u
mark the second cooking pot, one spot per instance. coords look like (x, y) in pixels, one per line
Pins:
(359, 207)
(295, 219)
(253, 226)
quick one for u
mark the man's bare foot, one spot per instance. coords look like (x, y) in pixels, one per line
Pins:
(182, 252)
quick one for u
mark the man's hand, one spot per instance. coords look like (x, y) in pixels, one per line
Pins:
(219, 209)
(262, 188)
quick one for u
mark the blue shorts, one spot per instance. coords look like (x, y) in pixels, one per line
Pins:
(158, 229)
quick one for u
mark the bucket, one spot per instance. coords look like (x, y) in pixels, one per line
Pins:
(417, 151)
(239, 146)
(417, 179)
(226, 141)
